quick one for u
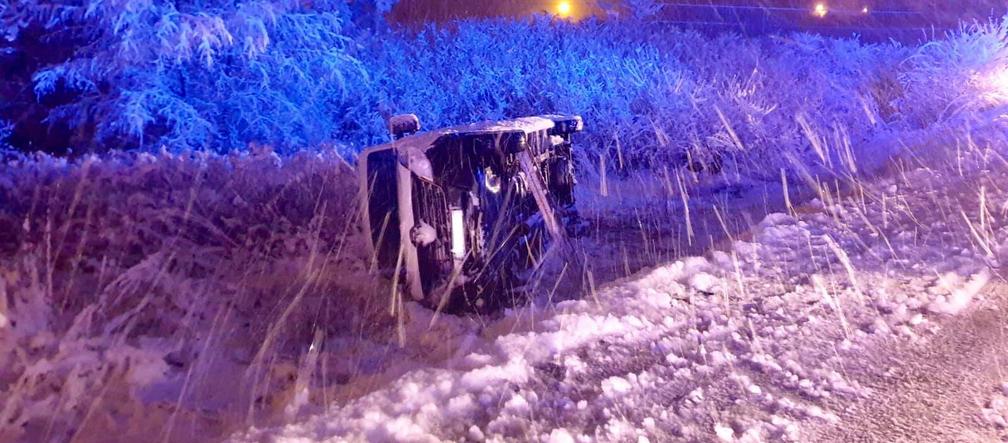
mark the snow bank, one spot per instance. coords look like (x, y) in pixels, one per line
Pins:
(757, 342)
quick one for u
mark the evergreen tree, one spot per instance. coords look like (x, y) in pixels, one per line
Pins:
(203, 74)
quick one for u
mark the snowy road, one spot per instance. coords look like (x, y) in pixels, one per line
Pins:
(940, 388)
(873, 314)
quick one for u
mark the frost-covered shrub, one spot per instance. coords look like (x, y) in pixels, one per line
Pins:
(768, 98)
(650, 94)
(497, 69)
(958, 75)
(653, 94)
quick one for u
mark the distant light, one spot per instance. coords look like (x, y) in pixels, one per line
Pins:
(820, 10)
(864, 10)
(1001, 80)
(998, 85)
(564, 8)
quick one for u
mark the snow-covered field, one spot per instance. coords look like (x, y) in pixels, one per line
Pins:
(874, 312)
(863, 307)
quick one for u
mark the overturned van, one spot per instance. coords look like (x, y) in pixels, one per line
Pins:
(462, 217)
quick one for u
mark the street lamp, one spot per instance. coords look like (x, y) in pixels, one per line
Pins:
(820, 10)
(564, 8)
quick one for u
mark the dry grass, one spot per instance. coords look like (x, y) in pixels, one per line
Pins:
(114, 268)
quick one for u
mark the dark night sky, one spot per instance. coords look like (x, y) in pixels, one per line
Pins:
(934, 11)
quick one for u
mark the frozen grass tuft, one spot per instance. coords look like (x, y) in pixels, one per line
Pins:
(114, 268)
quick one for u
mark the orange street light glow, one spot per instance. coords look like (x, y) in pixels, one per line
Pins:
(564, 8)
(820, 10)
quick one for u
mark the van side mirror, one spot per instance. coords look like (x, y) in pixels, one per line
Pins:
(403, 125)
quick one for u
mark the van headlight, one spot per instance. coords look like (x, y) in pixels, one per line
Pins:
(458, 234)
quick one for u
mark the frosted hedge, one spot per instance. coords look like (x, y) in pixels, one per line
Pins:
(222, 77)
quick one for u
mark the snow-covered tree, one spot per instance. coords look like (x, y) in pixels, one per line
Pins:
(211, 74)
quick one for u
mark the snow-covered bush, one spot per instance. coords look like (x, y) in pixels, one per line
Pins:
(958, 75)
(649, 93)
(652, 93)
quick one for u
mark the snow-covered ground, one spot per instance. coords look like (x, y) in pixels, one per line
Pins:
(704, 309)
(874, 312)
